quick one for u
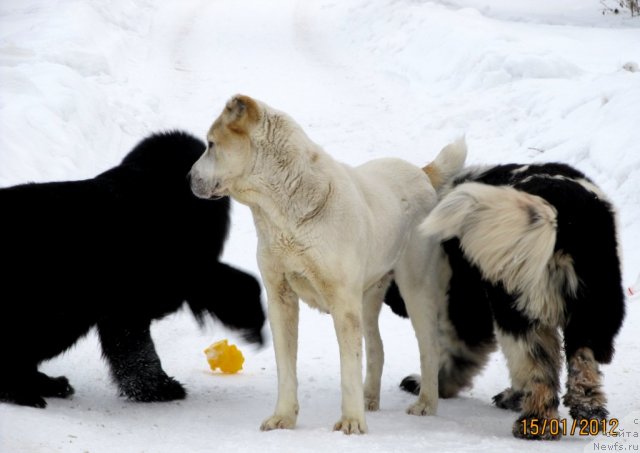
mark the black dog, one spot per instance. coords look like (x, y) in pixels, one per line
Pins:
(533, 249)
(116, 251)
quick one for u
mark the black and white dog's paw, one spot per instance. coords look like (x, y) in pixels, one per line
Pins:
(411, 384)
(509, 399)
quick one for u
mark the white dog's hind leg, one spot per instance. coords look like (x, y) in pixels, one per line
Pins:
(423, 293)
(283, 306)
(346, 311)
(424, 320)
(373, 298)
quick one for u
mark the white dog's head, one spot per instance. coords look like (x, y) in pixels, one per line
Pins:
(229, 155)
(255, 153)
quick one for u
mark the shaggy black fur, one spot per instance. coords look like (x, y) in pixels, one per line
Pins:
(117, 251)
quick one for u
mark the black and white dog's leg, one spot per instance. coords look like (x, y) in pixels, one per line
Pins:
(135, 365)
(465, 324)
(460, 363)
(533, 358)
(510, 398)
(585, 397)
(372, 304)
(595, 316)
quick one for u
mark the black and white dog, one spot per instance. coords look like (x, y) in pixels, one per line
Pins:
(116, 251)
(529, 250)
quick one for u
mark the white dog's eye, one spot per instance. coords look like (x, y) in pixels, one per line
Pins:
(210, 144)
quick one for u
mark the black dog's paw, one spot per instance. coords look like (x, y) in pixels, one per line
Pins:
(411, 384)
(23, 399)
(509, 399)
(153, 390)
(57, 387)
(31, 400)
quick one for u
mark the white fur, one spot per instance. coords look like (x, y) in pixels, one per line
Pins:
(510, 236)
(331, 235)
(448, 162)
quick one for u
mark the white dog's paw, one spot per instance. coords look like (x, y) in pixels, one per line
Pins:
(277, 421)
(351, 425)
(371, 404)
(422, 408)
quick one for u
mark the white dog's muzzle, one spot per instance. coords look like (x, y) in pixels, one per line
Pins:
(204, 187)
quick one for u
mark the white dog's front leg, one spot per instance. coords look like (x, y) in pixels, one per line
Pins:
(347, 319)
(283, 309)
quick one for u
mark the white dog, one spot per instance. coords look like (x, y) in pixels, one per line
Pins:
(333, 236)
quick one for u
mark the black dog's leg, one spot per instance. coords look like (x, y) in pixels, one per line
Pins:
(19, 384)
(29, 388)
(135, 365)
(57, 387)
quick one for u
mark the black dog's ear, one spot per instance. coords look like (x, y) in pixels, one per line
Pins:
(241, 113)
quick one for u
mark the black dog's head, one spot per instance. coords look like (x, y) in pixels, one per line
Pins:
(155, 174)
(163, 159)
(153, 180)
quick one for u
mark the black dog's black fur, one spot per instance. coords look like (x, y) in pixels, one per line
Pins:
(117, 251)
(586, 233)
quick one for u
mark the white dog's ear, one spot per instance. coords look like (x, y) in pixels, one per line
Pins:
(242, 112)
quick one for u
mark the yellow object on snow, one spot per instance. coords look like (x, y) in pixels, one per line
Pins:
(224, 356)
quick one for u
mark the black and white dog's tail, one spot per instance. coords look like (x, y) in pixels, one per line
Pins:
(508, 234)
(488, 233)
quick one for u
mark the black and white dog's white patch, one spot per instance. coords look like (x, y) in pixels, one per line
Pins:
(526, 250)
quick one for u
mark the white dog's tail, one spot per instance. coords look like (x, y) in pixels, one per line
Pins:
(447, 163)
(508, 234)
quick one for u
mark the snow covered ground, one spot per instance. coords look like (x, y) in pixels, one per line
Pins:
(81, 81)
